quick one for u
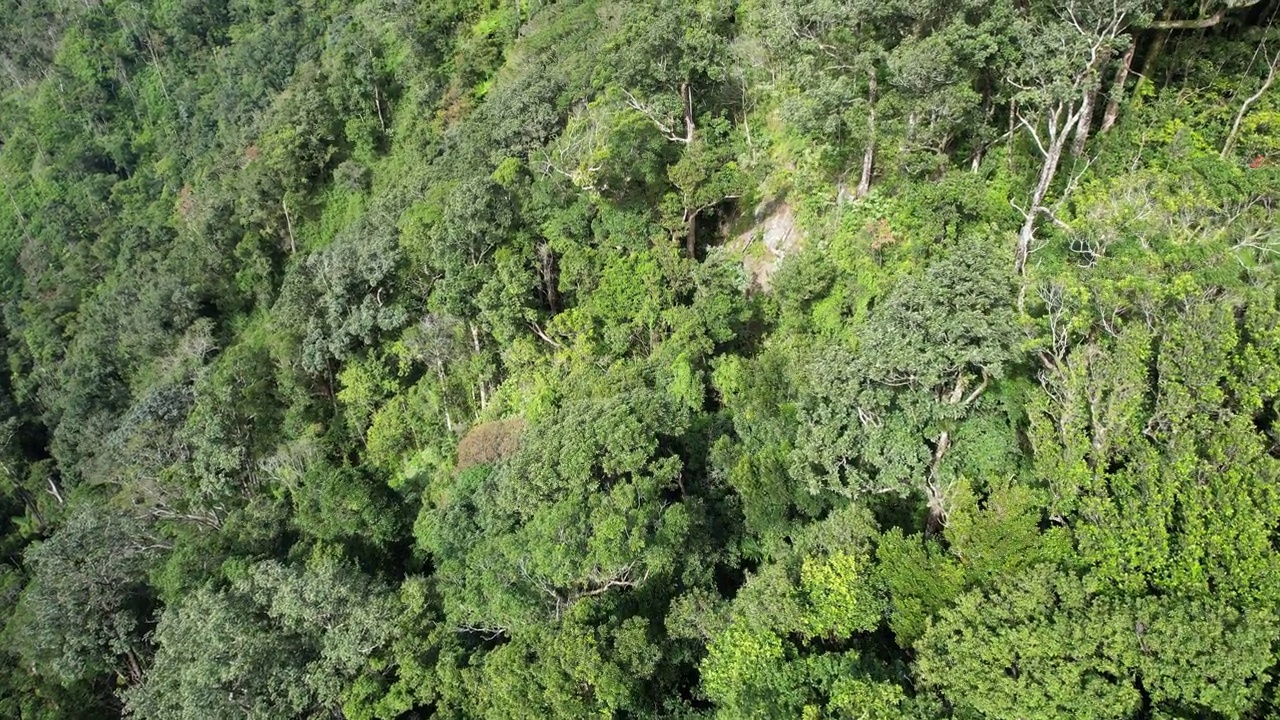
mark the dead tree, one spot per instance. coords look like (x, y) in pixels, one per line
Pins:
(1053, 106)
(1272, 64)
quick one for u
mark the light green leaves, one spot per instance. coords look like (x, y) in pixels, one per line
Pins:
(840, 601)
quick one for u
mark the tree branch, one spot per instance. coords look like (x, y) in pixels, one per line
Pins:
(1244, 107)
(1197, 24)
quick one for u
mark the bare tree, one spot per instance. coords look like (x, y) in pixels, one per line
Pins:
(1057, 82)
(1272, 65)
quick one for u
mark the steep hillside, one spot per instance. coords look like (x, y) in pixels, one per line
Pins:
(639, 359)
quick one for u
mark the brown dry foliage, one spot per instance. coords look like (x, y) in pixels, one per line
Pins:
(881, 234)
(490, 442)
(186, 201)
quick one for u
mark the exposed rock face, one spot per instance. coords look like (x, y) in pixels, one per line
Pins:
(766, 243)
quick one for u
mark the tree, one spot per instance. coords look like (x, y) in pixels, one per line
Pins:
(663, 80)
(1058, 79)
(705, 176)
(754, 460)
(882, 419)
(87, 606)
(792, 642)
(833, 50)
(1038, 649)
(575, 514)
(591, 664)
(277, 276)
(343, 297)
(282, 642)
(217, 659)
(1044, 645)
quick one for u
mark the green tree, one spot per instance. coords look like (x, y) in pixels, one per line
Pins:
(576, 513)
(282, 641)
(85, 610)
(883, 417)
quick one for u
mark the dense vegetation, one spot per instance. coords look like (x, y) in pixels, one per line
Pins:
(640, 358)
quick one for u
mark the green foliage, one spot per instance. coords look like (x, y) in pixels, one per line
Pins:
(639, 359)
(924, 358)
(284, 641)
(577, 512)
(795, 631)
(84, 611)
(1044, 646)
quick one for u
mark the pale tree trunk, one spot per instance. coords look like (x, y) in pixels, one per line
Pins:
(1072, 111)
(155, 64)
(936, 495)
(377, 104)
(1244, 107)
(547, 270)
(444, 401)
(686, 97)
(377, 95)
(988, 111)
(1061, 119)
(1013, 127)
(869, 155)
(668, 130)
(1112, 112)
(1085, 123)
(135, 669)
(53, 490)
(288, 221)
(1201, 23)
(935, 490)
(1027, 233)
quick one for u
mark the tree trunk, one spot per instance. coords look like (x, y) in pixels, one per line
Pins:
(1244, 107)
(288, 222)
(377, 104)
(481, 385)
(1013, 126)
(547, 262)
(32, 504)
(988, 112)
(1149, 65)
(1200, 23)
(686, 97)
(53, 490)
(1087, 103)
(444, 402)
(1085, 122)
(1112, 112)
(691, 235)
(1053, 155)
(135, 670)
(155, 65)
(936, 494)
(869, 155)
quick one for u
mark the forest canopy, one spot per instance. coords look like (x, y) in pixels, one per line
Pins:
(382, 359)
